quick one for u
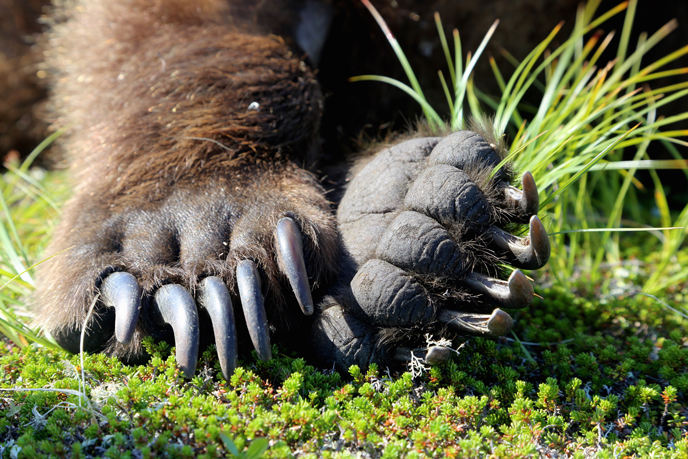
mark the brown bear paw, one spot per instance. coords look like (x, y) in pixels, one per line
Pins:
(427, 225)
(175, 307)
(181, 266)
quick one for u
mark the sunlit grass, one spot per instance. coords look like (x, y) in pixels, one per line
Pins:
(27, 202)
(573, 142)
(591, 115)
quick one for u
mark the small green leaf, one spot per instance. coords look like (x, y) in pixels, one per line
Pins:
(257, 448)
(229, 444)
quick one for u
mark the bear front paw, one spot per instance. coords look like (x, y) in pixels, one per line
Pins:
(175, 307)
(424, 222)
(179, 267)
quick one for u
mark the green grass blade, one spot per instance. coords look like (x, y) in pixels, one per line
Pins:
(457, 119)
(400, 56)
(445, 49)
(591, 163)
(431, 114)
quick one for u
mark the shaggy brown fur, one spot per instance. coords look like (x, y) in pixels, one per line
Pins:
(188, 133)
(192, 129)
(355, 46)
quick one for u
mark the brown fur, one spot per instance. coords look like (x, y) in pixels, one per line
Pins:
(176, 177)
(174, 74)
(191, 132)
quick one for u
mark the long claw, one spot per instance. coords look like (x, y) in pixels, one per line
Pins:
(529, 253)
(530, 204)
(434, 355)
(178, 309)
(515, 293)
(437, 355)
(293, 265)
(214, 297)
(527, 202)
(248, 282)
(121, 291)
(496, 324)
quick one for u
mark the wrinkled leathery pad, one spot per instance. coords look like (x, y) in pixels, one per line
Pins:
(423, 222)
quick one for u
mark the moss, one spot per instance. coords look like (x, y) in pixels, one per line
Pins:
(607, 378)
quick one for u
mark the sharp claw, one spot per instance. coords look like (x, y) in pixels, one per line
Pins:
(539, 240)
(214, 297)
(499, 323)
(530, 204)
(434, 355)
(515, 293)
(529, 253)
(248, 282)
(121, 291)
(177, 308)
(437, 355)
(293, 265)
(526, 202)
(496, 324)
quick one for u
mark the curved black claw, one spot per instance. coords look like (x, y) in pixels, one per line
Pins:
(496, 324)
(248, 282)
(121, 291)
(437, 355)
(516, 293)
(434, 355)
(293, 266)
(529, 253)
(214, 297)
(530, 203)
(178, 309)
(527, 202)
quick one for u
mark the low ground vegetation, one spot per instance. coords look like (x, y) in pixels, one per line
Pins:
(597, 366)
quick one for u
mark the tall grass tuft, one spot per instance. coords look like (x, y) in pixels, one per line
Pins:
(26, 211)
(591, 115)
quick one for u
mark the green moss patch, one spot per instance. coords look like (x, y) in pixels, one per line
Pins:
(606, 378)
